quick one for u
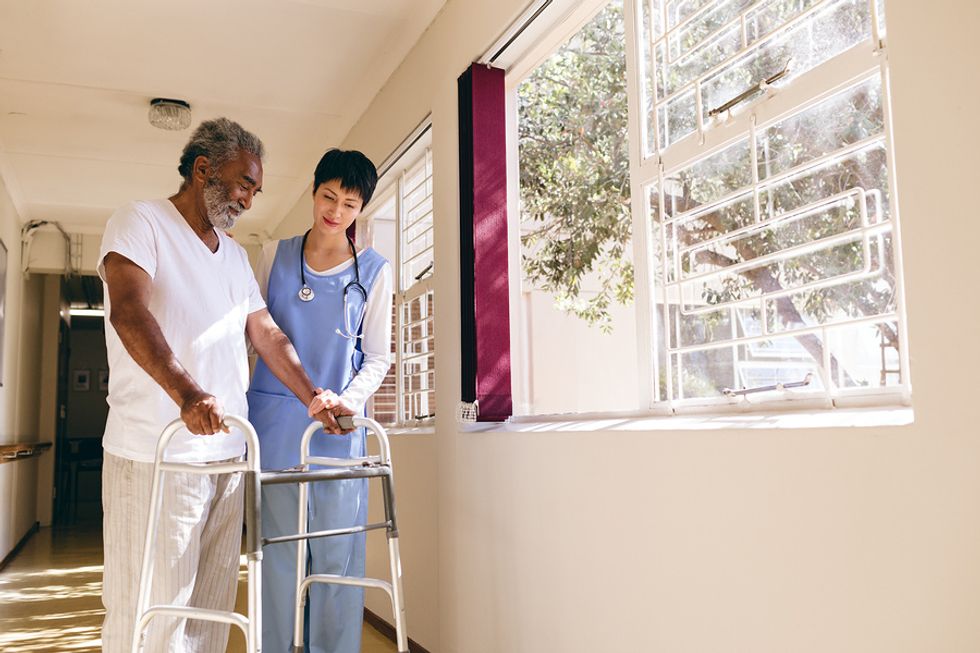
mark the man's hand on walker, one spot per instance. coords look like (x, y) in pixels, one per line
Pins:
(203, 414)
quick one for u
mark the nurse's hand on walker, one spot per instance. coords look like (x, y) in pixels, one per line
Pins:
(326, 407)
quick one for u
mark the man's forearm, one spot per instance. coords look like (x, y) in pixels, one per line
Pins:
(278, 353)
(141, 336)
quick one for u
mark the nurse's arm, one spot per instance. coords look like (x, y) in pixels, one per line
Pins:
(279, 355)
(129, 298)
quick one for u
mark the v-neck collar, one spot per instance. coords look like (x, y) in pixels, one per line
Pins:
(175, 212)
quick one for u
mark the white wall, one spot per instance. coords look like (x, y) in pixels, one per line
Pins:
(416, 495)
(19, 393)
(735, 540)
(52, 306)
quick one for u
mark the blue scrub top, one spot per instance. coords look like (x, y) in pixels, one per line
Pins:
(331, 360)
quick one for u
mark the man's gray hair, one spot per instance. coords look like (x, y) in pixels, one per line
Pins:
(220, 140)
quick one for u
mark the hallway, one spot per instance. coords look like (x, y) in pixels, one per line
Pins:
(50, 596)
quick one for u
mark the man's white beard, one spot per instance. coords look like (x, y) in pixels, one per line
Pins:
(222, 212)
(223, 220)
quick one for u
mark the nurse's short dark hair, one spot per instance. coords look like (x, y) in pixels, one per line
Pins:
(354, 170)
(220, 140)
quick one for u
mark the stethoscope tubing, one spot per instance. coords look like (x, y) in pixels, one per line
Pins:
(306, 293)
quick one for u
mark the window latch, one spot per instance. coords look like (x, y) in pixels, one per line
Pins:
(728, 392)
(425, 271)
(758, 87)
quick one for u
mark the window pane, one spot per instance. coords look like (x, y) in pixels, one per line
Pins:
(844, 119)
(399, 226)
(709, 180)
(767, 17)
(383, 406)
(576, 305)
(868, 355)
(763, 264)
(812, 40)
(863, 172)
(691, 65)
(716, 50)
(651, 27)
(872, 293)
(678, 118)
(705, 26)
(416, 221)
(680, 10)
(377, 228)
(417, 357)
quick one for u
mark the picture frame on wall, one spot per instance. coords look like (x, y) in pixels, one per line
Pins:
(81, 380)
(103, 380)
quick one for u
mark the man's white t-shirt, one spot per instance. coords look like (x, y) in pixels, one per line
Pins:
(201, 300)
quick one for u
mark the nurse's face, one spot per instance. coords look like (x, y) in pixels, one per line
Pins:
(335, 208)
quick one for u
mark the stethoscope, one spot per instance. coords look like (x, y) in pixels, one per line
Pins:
(306, 293)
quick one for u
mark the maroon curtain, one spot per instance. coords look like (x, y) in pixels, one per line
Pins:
(485, 326)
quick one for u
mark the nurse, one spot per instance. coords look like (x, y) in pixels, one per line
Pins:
(334, 303)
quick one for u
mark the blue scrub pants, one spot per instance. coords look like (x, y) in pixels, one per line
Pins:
(334, 613)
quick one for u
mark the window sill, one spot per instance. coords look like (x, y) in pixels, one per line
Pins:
(402, 429)
(801, 419)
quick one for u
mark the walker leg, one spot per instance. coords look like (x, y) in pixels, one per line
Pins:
(300, 595)
(149, 551)
(394, 560)
(253, 554)
(397, 598)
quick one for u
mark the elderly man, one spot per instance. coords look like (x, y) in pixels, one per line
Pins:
(181, 298)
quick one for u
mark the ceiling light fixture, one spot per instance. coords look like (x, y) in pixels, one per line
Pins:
(169, 114)
(86, 312)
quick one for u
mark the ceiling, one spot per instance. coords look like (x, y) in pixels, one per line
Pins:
(76, 79)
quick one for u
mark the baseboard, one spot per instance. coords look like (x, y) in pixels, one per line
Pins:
(20, 545)
(388, 631)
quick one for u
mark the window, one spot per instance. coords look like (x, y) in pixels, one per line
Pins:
(767, 185)
(416, 336)
(760, 238)
(577, 347)
(400, 226)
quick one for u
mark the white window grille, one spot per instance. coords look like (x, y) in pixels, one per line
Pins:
(415, 299)
(376, 227)
(765, 187)
(404, 212)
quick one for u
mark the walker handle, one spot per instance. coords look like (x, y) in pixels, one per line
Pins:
(251, 437)
(384, 448)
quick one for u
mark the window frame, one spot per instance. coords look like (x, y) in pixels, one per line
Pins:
(553, 29)
(860, 62)
(391, 182)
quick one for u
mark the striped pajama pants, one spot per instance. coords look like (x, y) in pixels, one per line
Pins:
(197, 553)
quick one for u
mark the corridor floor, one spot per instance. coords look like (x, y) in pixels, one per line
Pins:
(50, 596)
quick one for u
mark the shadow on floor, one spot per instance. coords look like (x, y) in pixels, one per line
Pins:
(51, 596)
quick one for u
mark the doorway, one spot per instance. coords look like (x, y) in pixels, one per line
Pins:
(83, 384)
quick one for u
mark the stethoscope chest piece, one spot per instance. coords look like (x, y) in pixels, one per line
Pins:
(306, 293)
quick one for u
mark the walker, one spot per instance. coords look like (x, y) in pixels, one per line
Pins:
(339, 469)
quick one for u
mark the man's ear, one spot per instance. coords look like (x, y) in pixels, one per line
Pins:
(201, 169)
